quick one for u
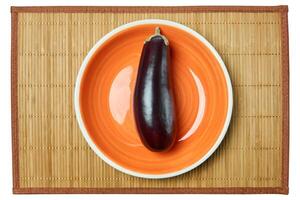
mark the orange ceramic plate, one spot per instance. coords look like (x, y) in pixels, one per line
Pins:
(104, 107)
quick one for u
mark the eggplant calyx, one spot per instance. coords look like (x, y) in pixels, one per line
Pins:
(157, 33)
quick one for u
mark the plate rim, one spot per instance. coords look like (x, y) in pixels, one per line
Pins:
(84, 131)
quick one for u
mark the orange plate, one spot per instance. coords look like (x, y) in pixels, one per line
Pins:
(104, 99)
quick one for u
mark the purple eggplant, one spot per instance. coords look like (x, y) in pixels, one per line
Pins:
(154, 109)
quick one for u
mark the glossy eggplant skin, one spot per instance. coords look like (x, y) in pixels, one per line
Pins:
(154, 109)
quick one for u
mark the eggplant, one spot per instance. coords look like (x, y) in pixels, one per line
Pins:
(154, 109)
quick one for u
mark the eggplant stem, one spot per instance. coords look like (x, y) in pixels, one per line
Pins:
(157, 31)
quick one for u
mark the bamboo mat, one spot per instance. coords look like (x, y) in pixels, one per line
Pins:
(51, 156)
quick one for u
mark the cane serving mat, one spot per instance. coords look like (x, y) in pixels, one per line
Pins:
(50, 154)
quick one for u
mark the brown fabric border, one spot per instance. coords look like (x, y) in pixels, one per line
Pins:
(14, 99)
(230, 190)
(143, 9)
(285, 100)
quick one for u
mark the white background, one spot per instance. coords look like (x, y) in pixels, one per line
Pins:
(5, 114)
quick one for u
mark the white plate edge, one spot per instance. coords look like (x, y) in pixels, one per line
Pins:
(82, 126)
